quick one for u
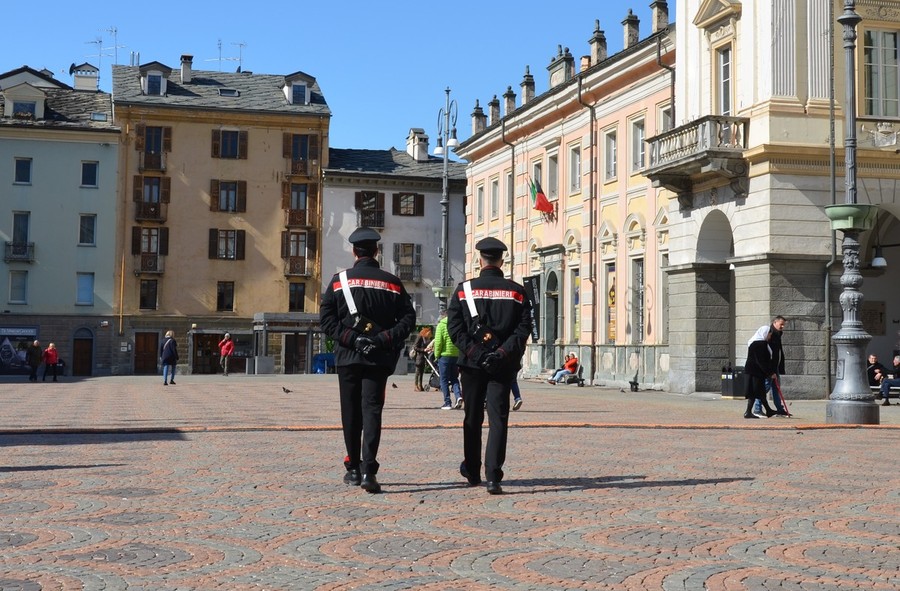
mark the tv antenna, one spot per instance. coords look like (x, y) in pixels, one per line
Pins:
(99, 55)
(241, 45)
(115, 46)
(220, 59)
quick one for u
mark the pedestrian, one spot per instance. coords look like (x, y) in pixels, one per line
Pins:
(489, 319)
(33, 357)
(570, 366)
(875, 371)
(168, 356)
(892, 380)
(369, 321)
(447, 356)
(226, 349)
(517, 394)
(777, 330)
(422, 342)
(759, 367)
(50, 359)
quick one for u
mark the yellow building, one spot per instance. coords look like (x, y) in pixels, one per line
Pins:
(219, 214)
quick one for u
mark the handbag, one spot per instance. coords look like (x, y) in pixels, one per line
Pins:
(412, 353)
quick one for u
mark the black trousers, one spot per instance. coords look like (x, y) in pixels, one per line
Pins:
(480, 387)
(362, 390)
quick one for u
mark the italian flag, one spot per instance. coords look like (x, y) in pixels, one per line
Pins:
(538, 199)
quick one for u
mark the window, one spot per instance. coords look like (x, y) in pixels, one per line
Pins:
(479, 204)
(298, 94)
(225, 296)
(302, 150)
(232, 92)
(97, 116)
(228, 196)
(23, 171)
(148, 294)
(299, 195)
(226, 244)
(575, 169)
(723, 80)
(537, 173)
(296, 297)
(664, 299)
(151, 189)
(149, 240)
(84, 295)
(154, 84)
(495, 198)
(610, 303)
(409, 204)
(510, 193)
(149, 245)
(299, 251)
(24, 109)
(575, 293)
(637, 300)
(408, 261)
(18, 287)
(552, 177)
(21, 221)
(610, 157)
(228, 143)
(87, 228)
(370, 209)
(881, 71)
(665, 120)
(637, 145)
(89, 174)
(152, 142)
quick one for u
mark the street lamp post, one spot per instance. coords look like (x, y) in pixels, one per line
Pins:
(445, 141)
(851, 402)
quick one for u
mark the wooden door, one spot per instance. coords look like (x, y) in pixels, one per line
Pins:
(146, 353)
(83, 357)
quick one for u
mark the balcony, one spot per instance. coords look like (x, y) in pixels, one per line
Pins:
(294, 218)
(303, 167)
(296, 265)
(370, 217)
(152, 161)
(149, 263)
(712, 146)
(408, 272)
(150, 212)
(22, 252)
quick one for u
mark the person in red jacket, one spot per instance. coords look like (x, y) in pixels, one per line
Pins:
(226, 349)
(51, 358)
(569, 367)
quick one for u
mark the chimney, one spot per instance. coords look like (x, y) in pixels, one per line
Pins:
(632, 26)
(527, 86)
(494, 110)
(186, 62)
(660, 12)
(509, 100)
(87, 77)
(562, 67)
(598, 44)
(417, 144)
(479, 119)
(585, 62)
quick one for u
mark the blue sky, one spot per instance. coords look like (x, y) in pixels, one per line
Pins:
(382, 66)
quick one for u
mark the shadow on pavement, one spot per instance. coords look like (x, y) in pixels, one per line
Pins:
(26, 439)
(54, 467)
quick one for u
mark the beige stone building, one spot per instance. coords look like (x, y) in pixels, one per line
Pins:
(220, 212)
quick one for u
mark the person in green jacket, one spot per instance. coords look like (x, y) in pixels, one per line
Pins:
(446, 354)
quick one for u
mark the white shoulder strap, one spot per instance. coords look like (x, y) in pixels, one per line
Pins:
(470, 300)
(348, 297)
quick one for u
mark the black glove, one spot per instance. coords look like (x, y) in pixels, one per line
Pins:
(364, 346)
(492, 362)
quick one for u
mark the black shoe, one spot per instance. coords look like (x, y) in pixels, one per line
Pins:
(353, 477)
(464, 472)
(750, 415)
(782, 413)
(494, 488)
(770, 413)
(370, 484)
(172, 382)
(886, 402)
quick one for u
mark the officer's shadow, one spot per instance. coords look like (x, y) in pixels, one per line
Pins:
(539, 485)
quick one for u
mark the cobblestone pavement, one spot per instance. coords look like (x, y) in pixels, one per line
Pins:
(232, 483)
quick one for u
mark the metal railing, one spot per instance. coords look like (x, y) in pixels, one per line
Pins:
(409, 272)
(152, 161)
(296, 265)
(297, 217)
(149, 263)
(149, 212)
(19, 251)
(712, 132)
(370, 217)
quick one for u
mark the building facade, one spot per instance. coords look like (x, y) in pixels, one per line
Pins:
(594, 260)
(399, 194)
(220, 211)
(58, 186)
(752, 168)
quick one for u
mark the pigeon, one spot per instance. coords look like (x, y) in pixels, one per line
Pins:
(393, 385)
(285, 390)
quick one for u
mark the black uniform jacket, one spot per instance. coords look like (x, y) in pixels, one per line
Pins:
(503, 307)
(380, 297)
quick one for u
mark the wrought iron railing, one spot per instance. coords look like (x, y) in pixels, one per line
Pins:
(296, 265)
(150, 212)
(370, 217)
(409, 272)
(149, 263)
(152, 161)
(19, 251)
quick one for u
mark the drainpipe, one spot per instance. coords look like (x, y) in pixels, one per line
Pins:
(512, 210)
(592, 274)
(833, 167)
(671, 75)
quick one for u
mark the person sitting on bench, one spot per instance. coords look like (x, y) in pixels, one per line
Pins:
(875, 370)
(570, 366)
(893, 381)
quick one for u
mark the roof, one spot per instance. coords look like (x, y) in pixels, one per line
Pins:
(390, 163)
(39, 79)
(256, 92)
(68, 108)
